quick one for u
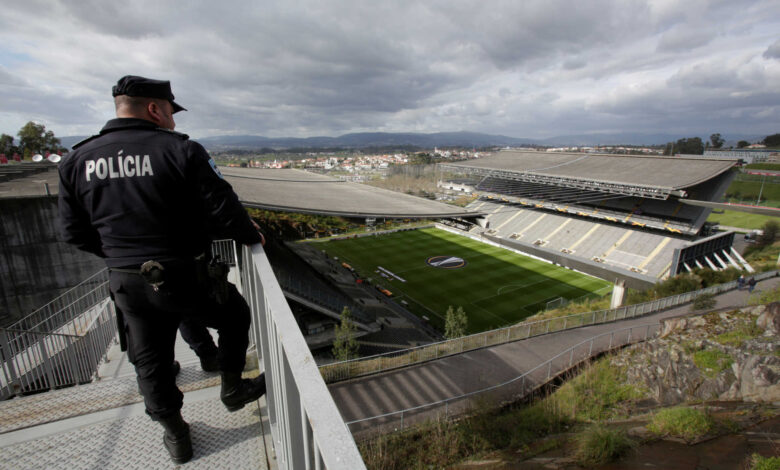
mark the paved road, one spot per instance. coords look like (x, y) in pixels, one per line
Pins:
(451, 376)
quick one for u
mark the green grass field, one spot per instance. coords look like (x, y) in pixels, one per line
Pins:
(495, 287)
(743, 220)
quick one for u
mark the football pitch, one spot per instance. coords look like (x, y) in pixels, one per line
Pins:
(431, 269)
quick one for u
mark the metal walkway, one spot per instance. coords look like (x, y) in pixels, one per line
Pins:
(102, 425)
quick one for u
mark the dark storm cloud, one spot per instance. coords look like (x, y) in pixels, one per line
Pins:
(773, 51)
(683, 38)
(313, 68)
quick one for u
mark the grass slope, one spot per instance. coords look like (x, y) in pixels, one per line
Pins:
(496, 287)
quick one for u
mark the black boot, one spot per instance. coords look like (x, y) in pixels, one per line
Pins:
(237, 392)
(177, 438)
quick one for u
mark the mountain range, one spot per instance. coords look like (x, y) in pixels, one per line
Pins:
(427, 141)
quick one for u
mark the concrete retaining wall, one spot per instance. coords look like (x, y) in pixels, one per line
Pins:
(35, 266)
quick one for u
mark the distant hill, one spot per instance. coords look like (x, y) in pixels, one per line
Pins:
(438, 139)
(71, 140)
(364, 140)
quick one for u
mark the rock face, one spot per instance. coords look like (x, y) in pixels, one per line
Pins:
(726, 356)
(769, 320)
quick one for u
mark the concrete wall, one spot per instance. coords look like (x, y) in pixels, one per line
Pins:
(35, 266)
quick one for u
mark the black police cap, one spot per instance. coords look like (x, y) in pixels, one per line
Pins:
(133, 85)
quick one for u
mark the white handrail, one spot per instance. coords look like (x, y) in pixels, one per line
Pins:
(306, 425)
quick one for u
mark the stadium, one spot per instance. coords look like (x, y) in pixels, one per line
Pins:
(632, 218)
(543, 229)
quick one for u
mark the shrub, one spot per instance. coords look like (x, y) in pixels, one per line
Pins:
(597, 445)
(712, 278)
(712, 362)
(744, 331)
(765, 297)
(704, 302)
(598, 393)
(758, 462)
(686, 423)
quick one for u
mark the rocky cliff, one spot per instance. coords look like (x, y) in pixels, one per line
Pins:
(732, 355)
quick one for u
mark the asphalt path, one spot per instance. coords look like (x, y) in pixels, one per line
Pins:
(451, 376)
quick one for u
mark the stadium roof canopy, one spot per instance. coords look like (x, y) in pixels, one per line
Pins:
(655, 177)
(310, 193)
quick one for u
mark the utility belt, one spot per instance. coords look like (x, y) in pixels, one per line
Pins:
(210, 274)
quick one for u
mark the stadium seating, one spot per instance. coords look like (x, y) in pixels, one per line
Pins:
(623, 248)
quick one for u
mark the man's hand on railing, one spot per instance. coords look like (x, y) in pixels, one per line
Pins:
(257, 227)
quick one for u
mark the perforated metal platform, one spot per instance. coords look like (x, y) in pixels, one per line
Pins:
(102, 425)
(125, 438)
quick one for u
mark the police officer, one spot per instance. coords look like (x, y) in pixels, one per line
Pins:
(150, 201)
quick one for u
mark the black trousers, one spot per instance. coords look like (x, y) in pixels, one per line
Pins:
(152, 317)
(197, 337)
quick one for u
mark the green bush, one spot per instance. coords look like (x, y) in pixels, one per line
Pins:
(758, 462)
(744, 331)
(686, 423)
(712, 278)
(765, 297)
(704, 302)
(598, 445)
(712, 362)
(598, 393)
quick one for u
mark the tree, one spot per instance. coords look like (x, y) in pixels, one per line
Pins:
(772, 140)
(34, 138)
(690, 146)
(345, 346)
(455, 323)
(770, 231)
(716, 141)
(7, 146)
(742, 144)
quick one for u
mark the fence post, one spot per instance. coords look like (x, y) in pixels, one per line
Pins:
(565, 322)
(8, 359)
(549, 369)
(548, 327)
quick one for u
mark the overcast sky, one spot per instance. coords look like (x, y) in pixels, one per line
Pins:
(519, 68)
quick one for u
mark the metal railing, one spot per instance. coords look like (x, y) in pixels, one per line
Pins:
(63, 342)
(306, 427)
(513, 389)
(42, 360)
(345, 370)
(67, 306)
(226, 250)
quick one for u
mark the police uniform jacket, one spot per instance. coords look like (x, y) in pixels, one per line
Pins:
(137, 192)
